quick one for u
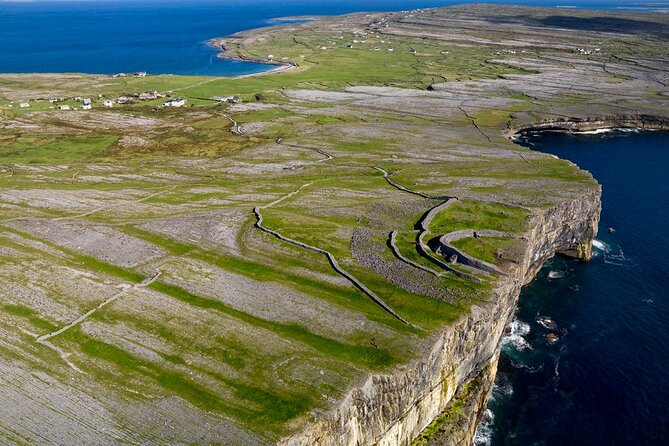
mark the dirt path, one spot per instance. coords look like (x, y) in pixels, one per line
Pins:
(236, 128)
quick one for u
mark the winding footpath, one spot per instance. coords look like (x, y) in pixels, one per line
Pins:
(236, 128)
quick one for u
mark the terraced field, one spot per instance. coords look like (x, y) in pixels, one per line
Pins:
(225, 273)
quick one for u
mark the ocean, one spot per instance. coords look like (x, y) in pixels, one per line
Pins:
(161, 37)
(605, 381)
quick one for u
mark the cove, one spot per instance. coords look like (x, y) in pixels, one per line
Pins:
(604, 380)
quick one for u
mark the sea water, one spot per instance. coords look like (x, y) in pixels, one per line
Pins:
(161, 37)
(605, 380)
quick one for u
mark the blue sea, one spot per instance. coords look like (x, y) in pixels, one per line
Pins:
(606, 380)
(163, 37)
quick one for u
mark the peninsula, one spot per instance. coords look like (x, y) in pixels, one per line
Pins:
(325, 255)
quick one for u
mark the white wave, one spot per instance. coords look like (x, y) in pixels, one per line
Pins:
(505, 389)
(516, 337)
(618, 259)
(483, 434)
(526, 368)
(555, 274)
(519, 327)
(610, 130)
(547, 322)
(600, 245)
(596, 131)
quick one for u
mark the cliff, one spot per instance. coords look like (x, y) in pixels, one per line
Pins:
(394, 409)
(586, 124)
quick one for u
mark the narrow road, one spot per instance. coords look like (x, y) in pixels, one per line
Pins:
(236, 128)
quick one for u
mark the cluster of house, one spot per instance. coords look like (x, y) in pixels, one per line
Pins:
(383, 23)
(145, 96)
(228, 99)
(586, 52)
(138, 74)
(150, 95)
(178, 102)
(87, 104)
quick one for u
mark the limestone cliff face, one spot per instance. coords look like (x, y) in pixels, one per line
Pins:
(630, 121)
(393, 409)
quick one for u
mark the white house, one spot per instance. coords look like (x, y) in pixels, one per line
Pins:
(86, 104)
(63, 107)
(107, 103)
(140, 74)
(148, 95)
(178, 102)
(230, 99)
(24, 105)
(122, 100)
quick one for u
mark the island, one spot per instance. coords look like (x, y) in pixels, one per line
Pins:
(328, 254)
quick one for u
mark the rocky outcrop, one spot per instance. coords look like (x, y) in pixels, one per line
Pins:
(632, 121)
(393, 409)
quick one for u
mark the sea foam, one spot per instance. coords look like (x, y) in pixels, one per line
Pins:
(483, 435)
(600, 245)
(516, 337)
